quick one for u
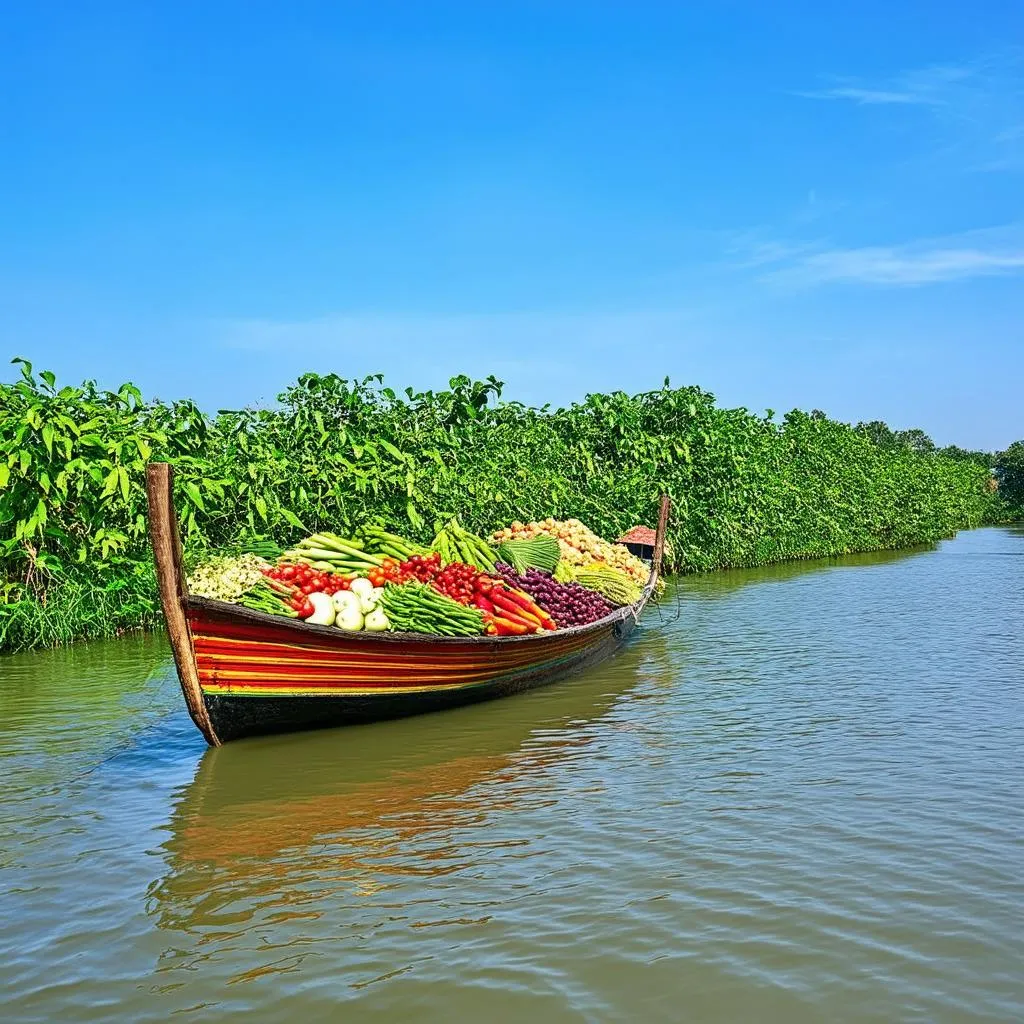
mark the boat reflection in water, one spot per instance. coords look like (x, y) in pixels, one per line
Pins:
(289, 821)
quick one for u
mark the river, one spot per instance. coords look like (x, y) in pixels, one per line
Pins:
(797, 795)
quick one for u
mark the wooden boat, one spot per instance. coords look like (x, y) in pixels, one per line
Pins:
(245, 673)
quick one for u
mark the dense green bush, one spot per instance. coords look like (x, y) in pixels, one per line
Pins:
(1009, 467)
(746, 489)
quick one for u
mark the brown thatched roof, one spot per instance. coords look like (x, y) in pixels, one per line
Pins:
(638, 535)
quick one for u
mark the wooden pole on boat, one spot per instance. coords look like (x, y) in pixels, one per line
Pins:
(659, 536)
(166, 542)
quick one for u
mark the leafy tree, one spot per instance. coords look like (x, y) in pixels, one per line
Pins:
(878, 432)
(916, 440)
(884, 436)
(338, 453)
(980, 458)
(1009, 470)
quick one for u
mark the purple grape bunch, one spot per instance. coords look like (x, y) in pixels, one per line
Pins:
(569, 604)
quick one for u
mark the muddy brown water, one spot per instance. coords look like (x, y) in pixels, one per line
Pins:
(797, 795)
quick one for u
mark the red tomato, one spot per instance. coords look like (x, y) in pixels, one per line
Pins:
(308, 588)
(288, 572)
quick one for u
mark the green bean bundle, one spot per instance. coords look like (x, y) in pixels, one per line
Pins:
(419, 608)
(270, 598)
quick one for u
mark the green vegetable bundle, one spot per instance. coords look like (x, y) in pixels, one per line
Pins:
(611, 583)
(454, 544)
(419, 608)
(380, 542)
(332, 553)
(539, 553)
(261, 547)
(268, 596)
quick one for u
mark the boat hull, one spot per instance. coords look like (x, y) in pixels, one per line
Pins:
(246, 673)
(260, 676)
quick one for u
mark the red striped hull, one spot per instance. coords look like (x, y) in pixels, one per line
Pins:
(259, 674)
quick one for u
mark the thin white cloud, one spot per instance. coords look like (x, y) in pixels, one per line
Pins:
(750, 251)
(863, 96)
(889, 266)
(976, 254)
(978, 105)
(936, 86)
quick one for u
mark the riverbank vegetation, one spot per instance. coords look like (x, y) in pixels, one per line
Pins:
(334, 453)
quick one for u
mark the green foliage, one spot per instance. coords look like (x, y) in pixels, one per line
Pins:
(985, 459)
(338, 454)
(885, 437)
(78, 606)
(72, 468)
(1009, 468)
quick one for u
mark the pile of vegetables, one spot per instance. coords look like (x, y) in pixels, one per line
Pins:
(419, 608)
(328, 551)
(228, 577)
(539, 577)
(540, 553)
(454, 544)
(296, 584)
(569, 604)
(614, 584)
(577, 545)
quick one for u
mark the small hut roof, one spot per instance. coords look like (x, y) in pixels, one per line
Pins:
(639, 535)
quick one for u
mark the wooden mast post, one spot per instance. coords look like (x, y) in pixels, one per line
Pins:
(166, 543)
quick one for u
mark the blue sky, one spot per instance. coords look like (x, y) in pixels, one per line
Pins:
(814, 205)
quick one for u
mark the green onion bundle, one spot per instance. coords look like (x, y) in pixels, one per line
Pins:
(332, 553)
(380, 542)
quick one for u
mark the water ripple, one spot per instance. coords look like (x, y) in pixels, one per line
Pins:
(799, 800)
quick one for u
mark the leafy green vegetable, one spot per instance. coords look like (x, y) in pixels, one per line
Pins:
(539, 553)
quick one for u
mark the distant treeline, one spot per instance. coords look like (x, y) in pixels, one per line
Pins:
(747, 489)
